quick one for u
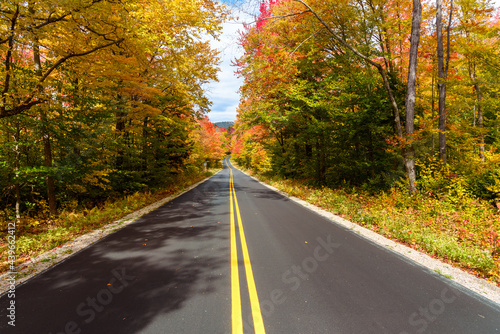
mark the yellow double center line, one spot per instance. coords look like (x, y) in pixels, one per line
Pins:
(236, 317)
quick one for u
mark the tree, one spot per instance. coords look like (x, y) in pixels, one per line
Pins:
(411, 92)
(479, 48)
(443, 74)
(106, 91)
(345, 43)
(211, 142)
(42, 22)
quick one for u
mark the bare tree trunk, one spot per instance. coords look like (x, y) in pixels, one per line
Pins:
(480, 117)
(443, 74)
(433, 110)
(441, 83)
(411, 93)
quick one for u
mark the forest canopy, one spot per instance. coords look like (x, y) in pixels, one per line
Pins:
(101, 98)
(327, 85)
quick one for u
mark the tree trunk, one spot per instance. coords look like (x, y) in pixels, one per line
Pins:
(443, 74)
(321, 161)
(17, 167)
(145, 140)
(480, 122)
(120, 129)
(371, 147)
(308, 149)
(400, 40)
(8, 63)
(433, 111)
(47, 148)
(480, 117)
(411, 93)
(51, 188)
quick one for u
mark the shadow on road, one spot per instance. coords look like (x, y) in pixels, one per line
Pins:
(155, 266)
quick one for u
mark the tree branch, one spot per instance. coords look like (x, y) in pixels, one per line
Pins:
(337, 37)
(49, 21)
(19, 109)
(279, 17)
(103, 35)
(308, 38)
(8, 59)
(73, 55)
(29, 102)
(368, 60)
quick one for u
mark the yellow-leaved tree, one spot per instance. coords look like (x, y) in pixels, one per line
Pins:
(105, 85)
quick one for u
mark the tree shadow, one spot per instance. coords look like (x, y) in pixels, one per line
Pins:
(129, 279)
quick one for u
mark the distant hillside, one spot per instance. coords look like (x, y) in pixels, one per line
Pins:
(224, 125)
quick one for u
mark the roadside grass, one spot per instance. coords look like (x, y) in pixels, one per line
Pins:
(461, 231)
(34, 237)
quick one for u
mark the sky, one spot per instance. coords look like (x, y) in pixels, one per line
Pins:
(224, 94)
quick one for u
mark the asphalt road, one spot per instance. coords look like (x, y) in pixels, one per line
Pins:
(212, 262)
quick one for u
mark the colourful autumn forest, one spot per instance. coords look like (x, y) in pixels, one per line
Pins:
(316, 99)
(385, 112)
(100, 99)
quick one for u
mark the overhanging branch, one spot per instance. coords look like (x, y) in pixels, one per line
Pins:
(308, 38)
(379, 67)
(280, 16)
(29, 101)
(73, 55)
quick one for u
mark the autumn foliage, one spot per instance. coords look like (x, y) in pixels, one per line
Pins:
(101, 99)
(211, 142)
(315, 105)
(325, 108)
